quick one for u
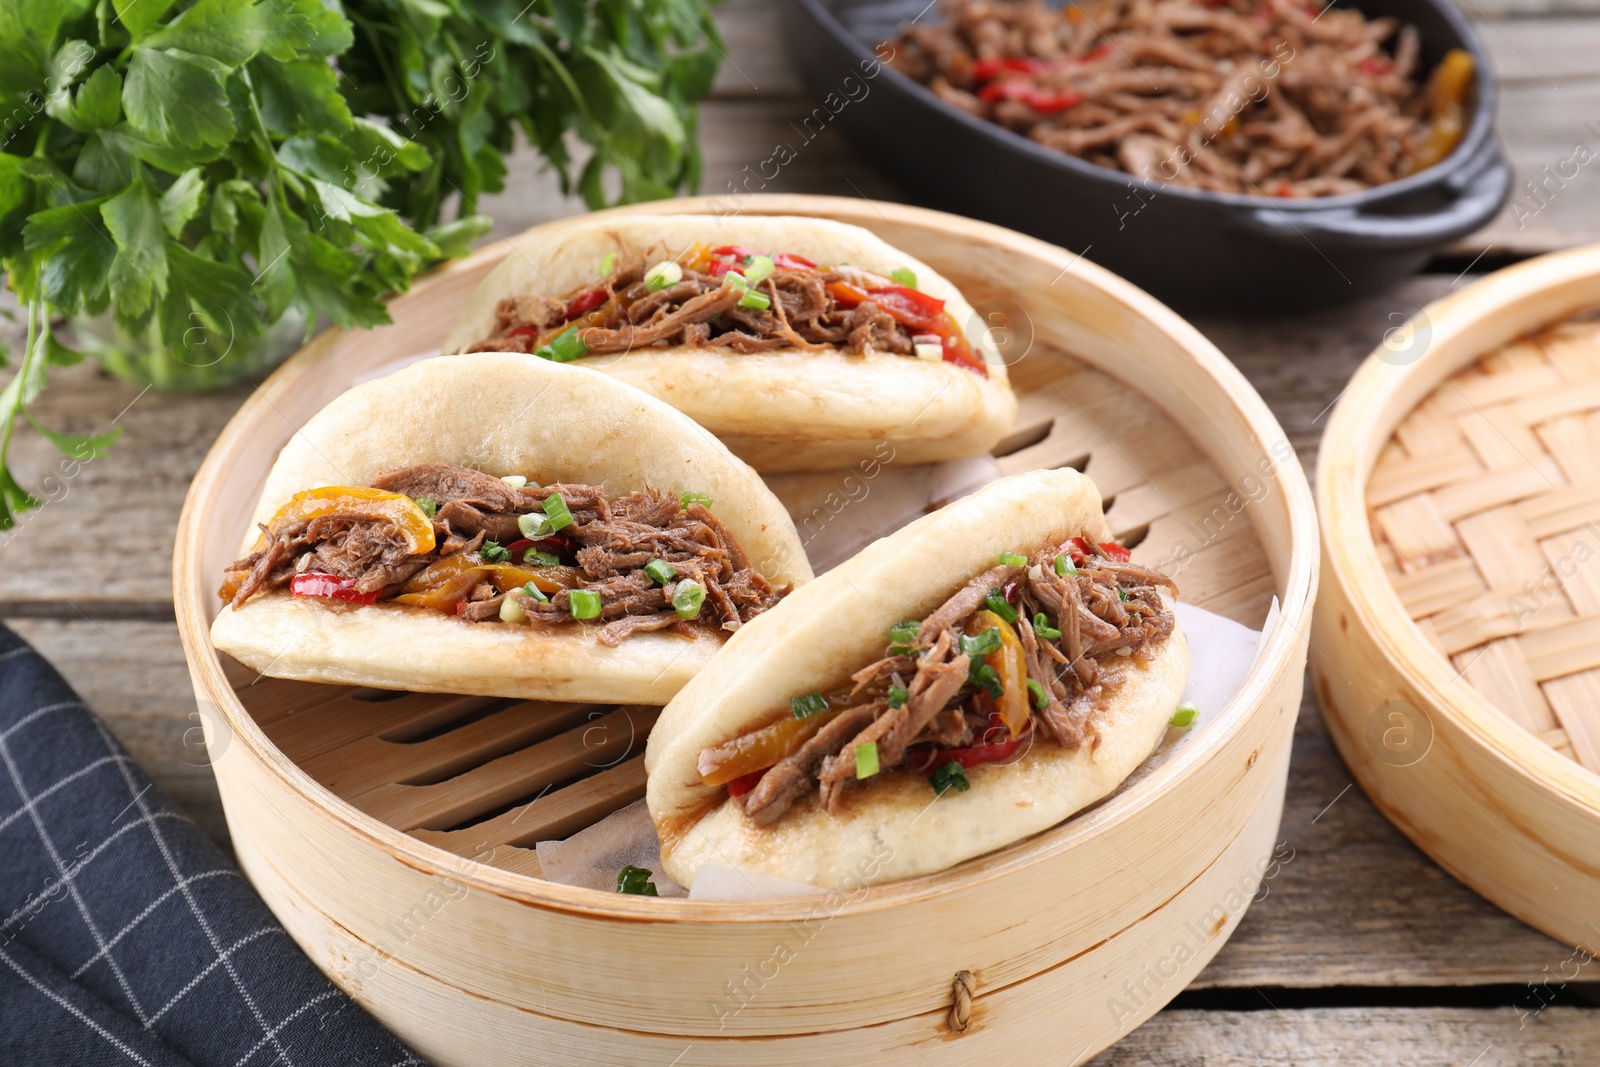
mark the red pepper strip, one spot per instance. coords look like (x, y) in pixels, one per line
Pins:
(1044, 101)
(738, 252)
(1081, 552)
(556, 545)
(745, 782)
(1376, 65)
(331, 587)
(729, 257)
(1116, 551)
(790, 261)
(986, 69)
(527, 330)
(976, 754)
(585, 303)
(921, 312)
(1010, 591)
(957, 352)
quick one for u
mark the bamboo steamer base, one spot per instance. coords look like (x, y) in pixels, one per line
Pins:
(1459, 631)
(393, 834)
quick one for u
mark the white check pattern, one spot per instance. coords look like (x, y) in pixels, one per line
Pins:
(125, 936)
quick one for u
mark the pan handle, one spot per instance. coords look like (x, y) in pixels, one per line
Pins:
(1477, 190)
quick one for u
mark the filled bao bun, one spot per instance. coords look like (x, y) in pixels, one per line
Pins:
(786, 409)
(503, 415)
(893, 824)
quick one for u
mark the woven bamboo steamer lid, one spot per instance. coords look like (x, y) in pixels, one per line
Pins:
(1457, 632)
(394, 835)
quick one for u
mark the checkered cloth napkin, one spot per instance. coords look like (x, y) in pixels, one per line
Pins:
(125, 936)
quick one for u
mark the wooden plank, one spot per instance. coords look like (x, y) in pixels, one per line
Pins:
(1555, 201)
(1362, 1037)
(1356, 904)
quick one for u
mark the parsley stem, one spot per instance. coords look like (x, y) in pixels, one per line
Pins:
(36, 312)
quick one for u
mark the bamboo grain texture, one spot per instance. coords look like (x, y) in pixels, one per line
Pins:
(1485, 508)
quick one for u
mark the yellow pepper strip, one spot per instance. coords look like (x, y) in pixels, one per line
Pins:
(1011, 664)
(361, 501)
(758, 749)
(1447, 93)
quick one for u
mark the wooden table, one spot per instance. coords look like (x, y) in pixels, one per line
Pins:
(1362, 950)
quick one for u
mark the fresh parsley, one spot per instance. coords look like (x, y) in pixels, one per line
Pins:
(200, 170)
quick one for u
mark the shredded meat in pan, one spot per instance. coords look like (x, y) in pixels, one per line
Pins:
(1266, 97)
(930, 700)
(604, 551)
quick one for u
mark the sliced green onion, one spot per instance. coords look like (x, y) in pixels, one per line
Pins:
(1122, 594)
(903, 637)
(511, 611)
(1186, 714)
(982, 644)
(996, 602)
(515, 481)
(951, 776)
(1037, 690)
(1064, 565)
(759, 269)
(753, 299)
(538, 558)
(1013, 559)
(897, 696)
(635, 881)
(536, 593)
(734, 280)
(565, 347)
(803, 707)
(688, 597)
(930, 352)
(660, 571)
(984, 677)
(556, 508)
(608, 263)
(429, 507)
(866, 760)
(696, 498)
(583, 603)
(662, 275)
(905, 276)
(494, 552)
(1042, 627)
(534, 525)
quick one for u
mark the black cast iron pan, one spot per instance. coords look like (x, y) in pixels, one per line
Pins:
(1198, 251)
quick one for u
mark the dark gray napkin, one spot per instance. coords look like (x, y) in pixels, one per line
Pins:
(125, 935)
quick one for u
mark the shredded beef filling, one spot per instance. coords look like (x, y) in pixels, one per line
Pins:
(1108, 612)
(1264, 97)
(702, 312)
(604, 551)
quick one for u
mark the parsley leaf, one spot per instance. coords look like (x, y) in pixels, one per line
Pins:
(206, 169)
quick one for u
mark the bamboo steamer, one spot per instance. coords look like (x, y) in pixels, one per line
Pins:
(1457, 651)
(393, 835)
